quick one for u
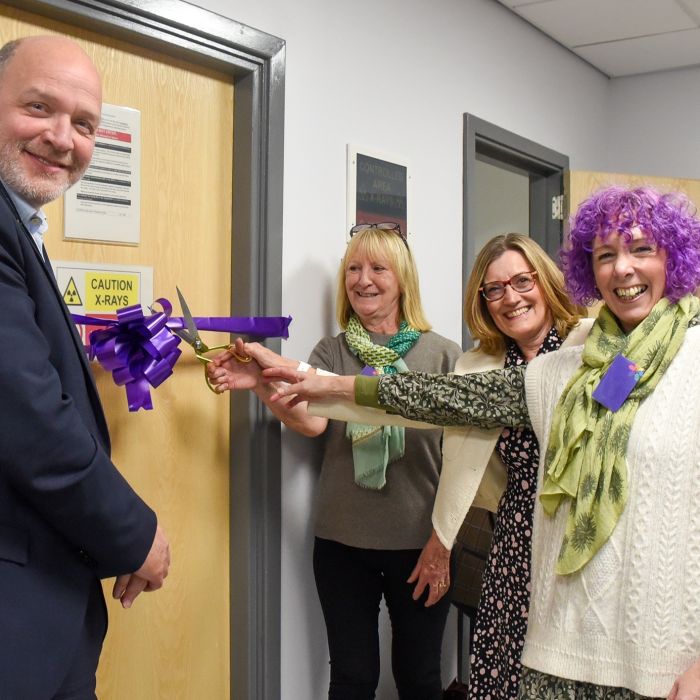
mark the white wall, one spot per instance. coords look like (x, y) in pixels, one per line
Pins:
(396, 76)
(654, 124)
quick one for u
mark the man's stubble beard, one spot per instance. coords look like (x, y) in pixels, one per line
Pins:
(37, 190)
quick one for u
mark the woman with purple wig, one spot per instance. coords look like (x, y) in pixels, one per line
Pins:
(615, 600)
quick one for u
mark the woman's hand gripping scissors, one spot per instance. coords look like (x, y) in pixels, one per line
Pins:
(190, 335)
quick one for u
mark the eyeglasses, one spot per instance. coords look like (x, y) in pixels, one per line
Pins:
(386, 226)
(522, 282)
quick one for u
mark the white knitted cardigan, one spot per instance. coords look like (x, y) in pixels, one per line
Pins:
(631, 617)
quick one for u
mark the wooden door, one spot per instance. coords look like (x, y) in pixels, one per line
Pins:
(173, 644)
(581, 183)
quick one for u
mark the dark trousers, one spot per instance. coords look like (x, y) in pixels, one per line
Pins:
(350, 584)
(80, 682)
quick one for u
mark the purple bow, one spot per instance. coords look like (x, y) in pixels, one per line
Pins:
(140, 351)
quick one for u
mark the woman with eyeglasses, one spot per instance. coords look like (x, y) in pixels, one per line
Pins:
(373, 535)
(516, 307)
(615, 590)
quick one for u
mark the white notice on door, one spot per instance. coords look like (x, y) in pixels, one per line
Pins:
(106, 204)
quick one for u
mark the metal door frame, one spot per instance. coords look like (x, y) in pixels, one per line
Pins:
(255, 62)
(545, 169)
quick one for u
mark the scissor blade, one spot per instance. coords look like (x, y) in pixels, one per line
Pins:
(182, 333)
(186, 314)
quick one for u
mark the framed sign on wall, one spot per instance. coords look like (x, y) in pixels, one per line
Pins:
(377, 188)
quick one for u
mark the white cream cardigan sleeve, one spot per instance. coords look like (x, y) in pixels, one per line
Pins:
(472, 474)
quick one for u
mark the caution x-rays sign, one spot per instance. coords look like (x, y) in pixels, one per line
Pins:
(92, 289)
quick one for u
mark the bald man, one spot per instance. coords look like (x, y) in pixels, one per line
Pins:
(67, 516)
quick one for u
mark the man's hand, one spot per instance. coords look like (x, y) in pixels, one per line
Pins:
(127, 587)
(432, 570)
(157, 563)
(149, 577)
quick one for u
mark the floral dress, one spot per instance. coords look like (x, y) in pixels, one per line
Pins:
(501, 619)
(541, 686)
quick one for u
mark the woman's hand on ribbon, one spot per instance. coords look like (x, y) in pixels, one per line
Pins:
(238, 368)
(432, 570)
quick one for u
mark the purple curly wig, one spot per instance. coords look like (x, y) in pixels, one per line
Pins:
(668, 219)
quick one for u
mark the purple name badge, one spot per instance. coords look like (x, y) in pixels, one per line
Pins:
(369, 371)
(617, 383)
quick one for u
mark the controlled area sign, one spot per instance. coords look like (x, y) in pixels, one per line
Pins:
(92, 289)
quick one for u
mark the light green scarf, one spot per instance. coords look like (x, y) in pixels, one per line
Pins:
(586, 456)
(373, 447)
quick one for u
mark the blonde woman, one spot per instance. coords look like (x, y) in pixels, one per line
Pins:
(377, 484)
(516, 307)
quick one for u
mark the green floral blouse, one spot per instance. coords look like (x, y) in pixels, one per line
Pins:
(484, 399)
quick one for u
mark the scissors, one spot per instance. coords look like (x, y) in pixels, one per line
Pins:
(190, 335)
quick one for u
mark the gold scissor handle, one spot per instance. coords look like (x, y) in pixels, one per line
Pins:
(205, 360)
(243, 359)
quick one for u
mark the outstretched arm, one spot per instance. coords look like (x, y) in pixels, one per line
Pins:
(484, 399)
(306, 386)
(228, 372)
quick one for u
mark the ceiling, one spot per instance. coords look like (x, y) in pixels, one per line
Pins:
(620, 37)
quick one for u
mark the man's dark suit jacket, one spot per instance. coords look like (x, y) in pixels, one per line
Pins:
(67, 516)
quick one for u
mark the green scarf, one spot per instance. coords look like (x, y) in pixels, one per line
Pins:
(373, 447)
(586, 456)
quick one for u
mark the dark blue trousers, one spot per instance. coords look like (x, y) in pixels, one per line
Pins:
(350, 583)
(79, 683)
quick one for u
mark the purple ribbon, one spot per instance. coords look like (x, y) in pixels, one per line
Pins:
(140, 351)
(257, 326)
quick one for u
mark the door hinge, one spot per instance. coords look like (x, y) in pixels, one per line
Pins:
(558, 207)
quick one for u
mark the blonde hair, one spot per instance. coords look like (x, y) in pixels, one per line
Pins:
(389, 247)
(565, 314)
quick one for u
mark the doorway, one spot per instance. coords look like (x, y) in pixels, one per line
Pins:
(248, 217)
(510, 184)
